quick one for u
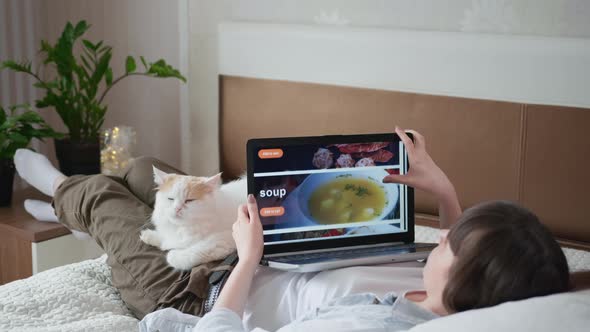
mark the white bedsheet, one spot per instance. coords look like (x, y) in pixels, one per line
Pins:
(81, 296)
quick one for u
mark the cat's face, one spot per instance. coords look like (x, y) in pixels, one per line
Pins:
(179, 196)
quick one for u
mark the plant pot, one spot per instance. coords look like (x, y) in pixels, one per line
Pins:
(6, 181)
(78, 157)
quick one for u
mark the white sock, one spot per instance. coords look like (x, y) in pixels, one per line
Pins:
(43, 211)
(81, 235)
(37, 170)
(40, 210)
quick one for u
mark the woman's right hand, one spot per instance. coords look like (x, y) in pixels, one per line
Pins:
(247, 233)
(423, 174)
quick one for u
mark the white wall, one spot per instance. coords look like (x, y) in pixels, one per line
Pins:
(560, 18)
(155, 28)
(513, 68)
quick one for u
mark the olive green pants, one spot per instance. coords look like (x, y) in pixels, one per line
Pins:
(114, 210)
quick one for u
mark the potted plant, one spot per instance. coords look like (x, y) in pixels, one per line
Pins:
(17, 129)
(77, 90)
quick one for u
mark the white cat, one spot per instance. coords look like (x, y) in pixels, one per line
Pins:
(193, 218)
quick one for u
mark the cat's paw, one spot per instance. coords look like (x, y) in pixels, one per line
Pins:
(181, 260)
(150, 237)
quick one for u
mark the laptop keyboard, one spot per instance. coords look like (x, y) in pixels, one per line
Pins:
(325, 256)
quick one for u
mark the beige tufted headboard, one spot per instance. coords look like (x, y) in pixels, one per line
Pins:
(533, 154)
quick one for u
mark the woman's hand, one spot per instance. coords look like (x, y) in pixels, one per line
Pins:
(423, 174)
(247, 232)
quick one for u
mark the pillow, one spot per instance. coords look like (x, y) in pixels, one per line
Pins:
(559, 312)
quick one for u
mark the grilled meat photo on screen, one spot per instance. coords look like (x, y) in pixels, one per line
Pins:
(380, 156)
(344, 161)
(352, 155)
(323, 158)
(365, 162)
(360, 147)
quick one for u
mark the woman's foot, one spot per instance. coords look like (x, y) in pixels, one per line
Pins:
(81, 235)
(37, 170)
(40, 210)
(43, 211)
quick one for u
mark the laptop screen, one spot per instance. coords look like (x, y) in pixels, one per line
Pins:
(326, 188)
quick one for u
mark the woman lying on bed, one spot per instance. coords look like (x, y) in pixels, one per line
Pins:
(493, 253)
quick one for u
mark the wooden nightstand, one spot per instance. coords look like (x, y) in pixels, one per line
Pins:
(28, 246)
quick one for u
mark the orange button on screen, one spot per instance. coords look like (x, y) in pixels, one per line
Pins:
(272, 211)
(270, 153)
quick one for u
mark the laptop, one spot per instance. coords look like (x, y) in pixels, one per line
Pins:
(323, 205)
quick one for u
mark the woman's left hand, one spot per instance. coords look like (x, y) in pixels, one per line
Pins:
(247, 232)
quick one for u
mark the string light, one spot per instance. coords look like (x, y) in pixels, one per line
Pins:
(117, 148)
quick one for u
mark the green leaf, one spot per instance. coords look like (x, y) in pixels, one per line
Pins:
(18, 138)
(42, 103)
(80, 29)
(130, 65)
(161, 69)
(46, 85)
(2, 115)
(109, 76)
(86, 62)
(46, 47)
(68, 33)
(30, 117)
(89, 45)
(104, 49)
(63, 55)
(144, 62)
(101, 68)
(19, 128)
(23, 106)
(22, 67)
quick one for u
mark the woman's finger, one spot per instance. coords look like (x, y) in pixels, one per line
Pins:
(406, 140)
(252, 208)
(419, 140)
(242, 211)
(397, 178)
(243, 214)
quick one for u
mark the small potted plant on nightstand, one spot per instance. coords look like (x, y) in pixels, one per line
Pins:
(77, 91)
(17, 129)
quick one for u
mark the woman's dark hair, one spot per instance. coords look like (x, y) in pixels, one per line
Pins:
(503, 253)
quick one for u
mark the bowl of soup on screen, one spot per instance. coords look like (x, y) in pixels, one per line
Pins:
(343, 198)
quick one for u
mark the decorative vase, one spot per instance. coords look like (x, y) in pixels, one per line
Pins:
(6, 181)
(78, 157)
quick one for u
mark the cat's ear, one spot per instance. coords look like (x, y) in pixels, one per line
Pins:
(214, 181)
(159, 176)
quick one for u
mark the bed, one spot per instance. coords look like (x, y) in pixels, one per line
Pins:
(511, 139)
(80, 296)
